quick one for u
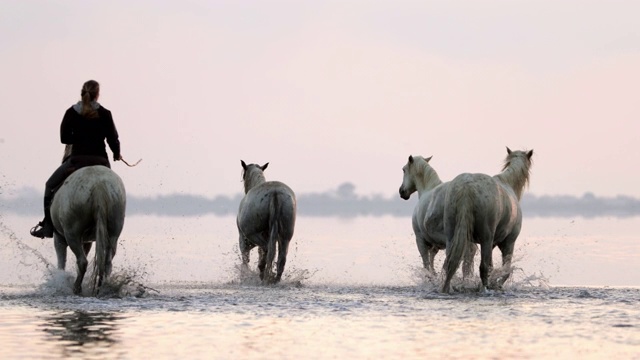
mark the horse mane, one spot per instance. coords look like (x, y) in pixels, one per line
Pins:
(426, 172)
(252, 176)
(515, 171)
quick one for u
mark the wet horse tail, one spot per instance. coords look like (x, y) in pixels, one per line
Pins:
(105, 244)
(275, 235)
(462, 238)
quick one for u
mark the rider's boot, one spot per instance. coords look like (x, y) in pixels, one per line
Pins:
(44, 229)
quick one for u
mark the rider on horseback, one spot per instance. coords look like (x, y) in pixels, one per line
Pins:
(85, 126)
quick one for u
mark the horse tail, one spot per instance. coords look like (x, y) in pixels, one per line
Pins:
(462, 236)
(275, 214)
(103, 241)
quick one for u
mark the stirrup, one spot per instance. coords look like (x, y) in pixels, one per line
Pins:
(38, 230)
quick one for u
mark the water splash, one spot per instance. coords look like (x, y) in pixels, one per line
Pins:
(29, 257)
(532, 281)
(243, 275)
(57, 283)
(125, 283)
(121, 284)
(297, 277)
(424, 279)
(518, 279)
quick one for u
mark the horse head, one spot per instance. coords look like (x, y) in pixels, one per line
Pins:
(516, 170)
(522, 155)
(252, 175)
(416, 173)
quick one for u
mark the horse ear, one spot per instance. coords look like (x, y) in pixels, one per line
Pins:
(264, 167)
(410, 159)
(508, 151)
(244, 166)
(428, 159)
(529, 154)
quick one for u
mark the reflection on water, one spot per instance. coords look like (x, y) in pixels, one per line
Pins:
(82, 333)
(290, 321)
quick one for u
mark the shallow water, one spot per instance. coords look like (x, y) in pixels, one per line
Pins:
(291, 321)
(351, 289)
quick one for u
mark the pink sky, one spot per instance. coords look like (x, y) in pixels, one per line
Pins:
(329, 91)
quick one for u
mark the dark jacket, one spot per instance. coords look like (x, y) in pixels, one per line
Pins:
(87, 135)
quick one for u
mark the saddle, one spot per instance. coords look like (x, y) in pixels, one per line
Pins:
(76, 162)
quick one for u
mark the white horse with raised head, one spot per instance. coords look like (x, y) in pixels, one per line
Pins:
(427, 220)
(89, 207)
(266, 218)
(486, 210)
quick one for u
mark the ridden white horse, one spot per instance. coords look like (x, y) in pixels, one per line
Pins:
(427, 221)
(266, 217)
(89, 206)
(486, 210)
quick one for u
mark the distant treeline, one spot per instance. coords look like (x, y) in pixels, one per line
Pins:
(342, 202)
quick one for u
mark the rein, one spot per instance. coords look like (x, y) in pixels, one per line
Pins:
(129, 165)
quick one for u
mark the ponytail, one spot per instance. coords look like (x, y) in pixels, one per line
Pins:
(89, 93)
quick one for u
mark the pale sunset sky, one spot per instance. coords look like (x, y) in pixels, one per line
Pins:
(328, 91)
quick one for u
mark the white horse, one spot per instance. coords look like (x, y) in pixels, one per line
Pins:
(486, 210)
(427, 219)
(266, 217)
(89, 206)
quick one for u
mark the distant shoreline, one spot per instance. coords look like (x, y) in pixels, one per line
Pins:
(342, 203)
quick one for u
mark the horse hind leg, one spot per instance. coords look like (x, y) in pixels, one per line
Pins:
(274, 236)
(104, 273)
(269, 256)
(506, 248)
(283, 249)
(60, 245)
(467, 265)
(244, 250)
(486, 263)
(425, 253)
(81, 260)
(433, 251)
(262, 262)
(108, 265)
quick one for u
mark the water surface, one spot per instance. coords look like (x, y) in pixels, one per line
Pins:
(293, 321)
(352, 289)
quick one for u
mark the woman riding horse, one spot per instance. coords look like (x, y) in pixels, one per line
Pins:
(85, 125)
